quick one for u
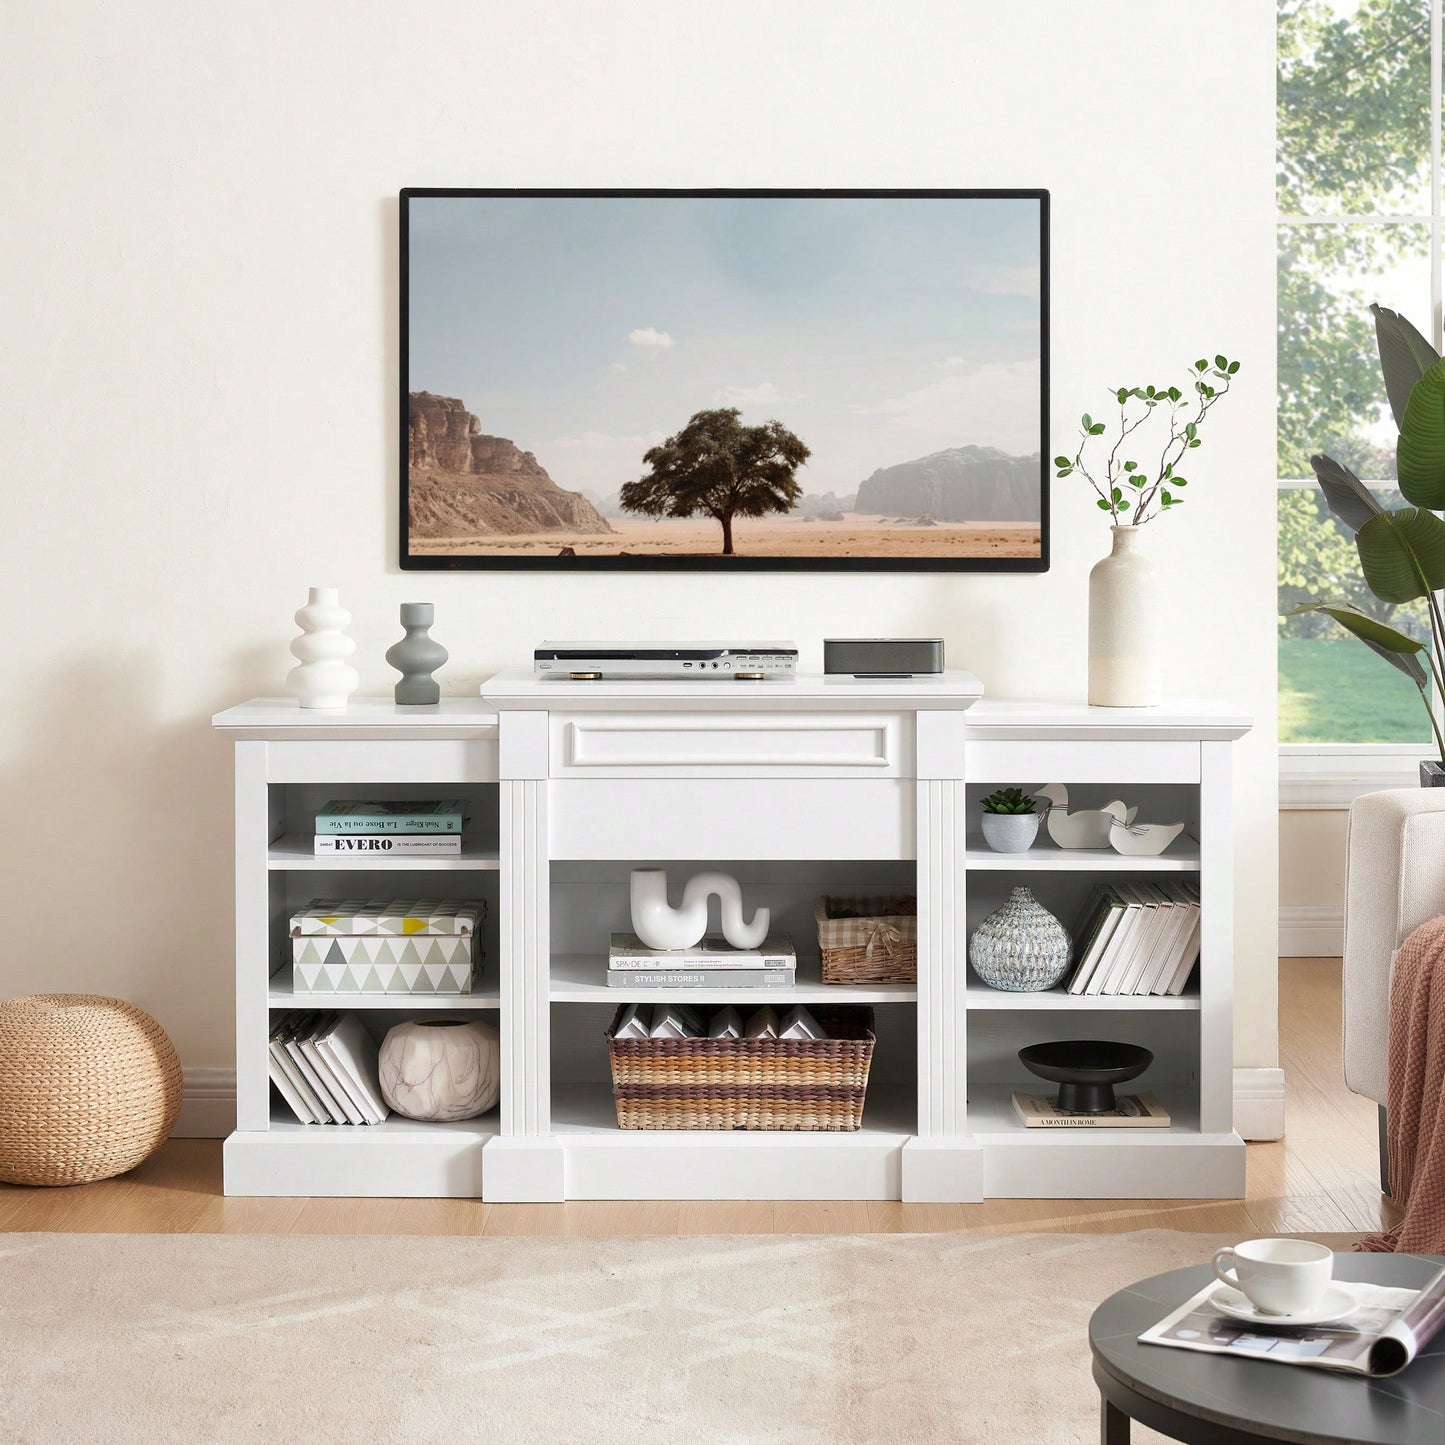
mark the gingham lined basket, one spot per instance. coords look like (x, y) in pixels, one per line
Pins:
(878, 946)
(774, 1084)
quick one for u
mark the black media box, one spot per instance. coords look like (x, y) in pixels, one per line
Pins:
(883, 656)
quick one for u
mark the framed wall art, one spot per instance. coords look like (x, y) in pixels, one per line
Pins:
(725, 380)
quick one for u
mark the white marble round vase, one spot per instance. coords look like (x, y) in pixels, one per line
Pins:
(441, 1069)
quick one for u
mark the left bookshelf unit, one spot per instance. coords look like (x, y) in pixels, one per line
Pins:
(288, 762)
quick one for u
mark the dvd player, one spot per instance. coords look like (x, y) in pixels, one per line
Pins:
(598, 661)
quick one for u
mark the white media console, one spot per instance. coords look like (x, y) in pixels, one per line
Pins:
(836, 785)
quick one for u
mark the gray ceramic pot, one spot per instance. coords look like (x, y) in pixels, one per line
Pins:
(1010, 832)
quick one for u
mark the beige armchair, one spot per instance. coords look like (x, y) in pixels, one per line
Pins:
(1394, 882)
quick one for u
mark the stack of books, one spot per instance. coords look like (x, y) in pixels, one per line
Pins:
(413, 828)
(1138, 938)
(325, 1066)
(1130, 1111)
(712, 963)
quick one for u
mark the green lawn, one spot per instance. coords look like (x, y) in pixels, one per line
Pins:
(1340, 692)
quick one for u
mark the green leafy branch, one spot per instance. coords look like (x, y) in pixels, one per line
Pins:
(1125, 485)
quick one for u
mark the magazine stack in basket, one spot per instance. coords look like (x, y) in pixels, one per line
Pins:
(679, 1067)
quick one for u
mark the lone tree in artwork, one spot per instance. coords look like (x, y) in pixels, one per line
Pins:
(717, 467)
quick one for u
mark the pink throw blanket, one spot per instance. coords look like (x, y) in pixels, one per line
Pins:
(1415, 1095)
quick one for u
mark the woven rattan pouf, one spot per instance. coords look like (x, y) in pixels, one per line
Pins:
(89, 1086)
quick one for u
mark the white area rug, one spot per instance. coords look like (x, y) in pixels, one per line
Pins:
(679, 1341)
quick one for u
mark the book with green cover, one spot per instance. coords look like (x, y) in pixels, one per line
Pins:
(419, 815)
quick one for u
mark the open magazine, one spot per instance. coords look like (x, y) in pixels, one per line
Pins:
(1381, 1337)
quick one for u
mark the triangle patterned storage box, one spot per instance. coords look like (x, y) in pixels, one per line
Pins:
(416, 947)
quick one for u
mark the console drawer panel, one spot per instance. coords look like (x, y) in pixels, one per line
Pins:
(687, 819)
(731, 745)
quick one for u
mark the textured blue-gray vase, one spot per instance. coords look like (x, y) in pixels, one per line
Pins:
(1020, 947)
(416, 657)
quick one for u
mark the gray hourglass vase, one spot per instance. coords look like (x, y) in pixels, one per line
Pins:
(416, 657)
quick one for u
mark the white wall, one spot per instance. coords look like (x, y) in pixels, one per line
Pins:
(1312, 881)
(199, 368)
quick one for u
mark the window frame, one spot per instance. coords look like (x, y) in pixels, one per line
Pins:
(1332, 775)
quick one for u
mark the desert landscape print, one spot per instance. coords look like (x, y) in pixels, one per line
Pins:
(707, 379)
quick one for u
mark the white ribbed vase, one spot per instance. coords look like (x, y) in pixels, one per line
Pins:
(1124, 630)
(324, 678)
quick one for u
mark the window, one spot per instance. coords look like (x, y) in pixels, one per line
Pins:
(1359, 196)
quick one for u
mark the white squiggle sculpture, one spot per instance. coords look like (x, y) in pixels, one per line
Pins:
(660, 926)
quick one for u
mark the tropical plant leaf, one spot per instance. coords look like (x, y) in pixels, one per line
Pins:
(1397, 648)
(1345, 494)
(1403, 554)
(1405, 356)
(1420, 452)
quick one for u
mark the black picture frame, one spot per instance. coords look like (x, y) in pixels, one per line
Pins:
(722, 564)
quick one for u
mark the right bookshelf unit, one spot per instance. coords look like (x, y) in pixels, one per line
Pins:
(1173, 763)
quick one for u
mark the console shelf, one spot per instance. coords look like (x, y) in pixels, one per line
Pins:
(584, 1113)
(832, 786)
(280, 995)
(581, 978)
(980, 996)
(1045, 857)
(295, 852)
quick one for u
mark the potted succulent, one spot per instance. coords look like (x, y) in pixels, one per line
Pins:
(1010, 820)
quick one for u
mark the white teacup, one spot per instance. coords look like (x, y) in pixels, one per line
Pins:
(1279, 1276)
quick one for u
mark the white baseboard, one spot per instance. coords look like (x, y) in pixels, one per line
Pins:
(1310, 931)
(1259, 1103)
(208, 1105)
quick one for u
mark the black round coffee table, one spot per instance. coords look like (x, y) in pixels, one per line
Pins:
(1217, 1400)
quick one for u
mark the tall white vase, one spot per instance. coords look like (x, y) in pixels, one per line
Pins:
(660, 926)
(324, 678)
(1124, 629)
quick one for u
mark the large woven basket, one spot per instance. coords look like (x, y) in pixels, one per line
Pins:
(89, 1086)
(878, 945)
(746, 1083)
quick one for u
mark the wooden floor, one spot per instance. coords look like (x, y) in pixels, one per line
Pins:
(1321, 1179)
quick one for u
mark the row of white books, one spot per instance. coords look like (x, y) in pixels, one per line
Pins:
(710, 963)
(678, 1021)
(1138, 938)
(325, 1067)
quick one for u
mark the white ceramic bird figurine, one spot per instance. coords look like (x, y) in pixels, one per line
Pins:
(1144, 840)
(1087, 828)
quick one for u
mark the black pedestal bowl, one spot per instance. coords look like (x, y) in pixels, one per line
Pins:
(1086, 1070)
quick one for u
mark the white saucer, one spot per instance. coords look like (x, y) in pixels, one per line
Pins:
(1338, 1304)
